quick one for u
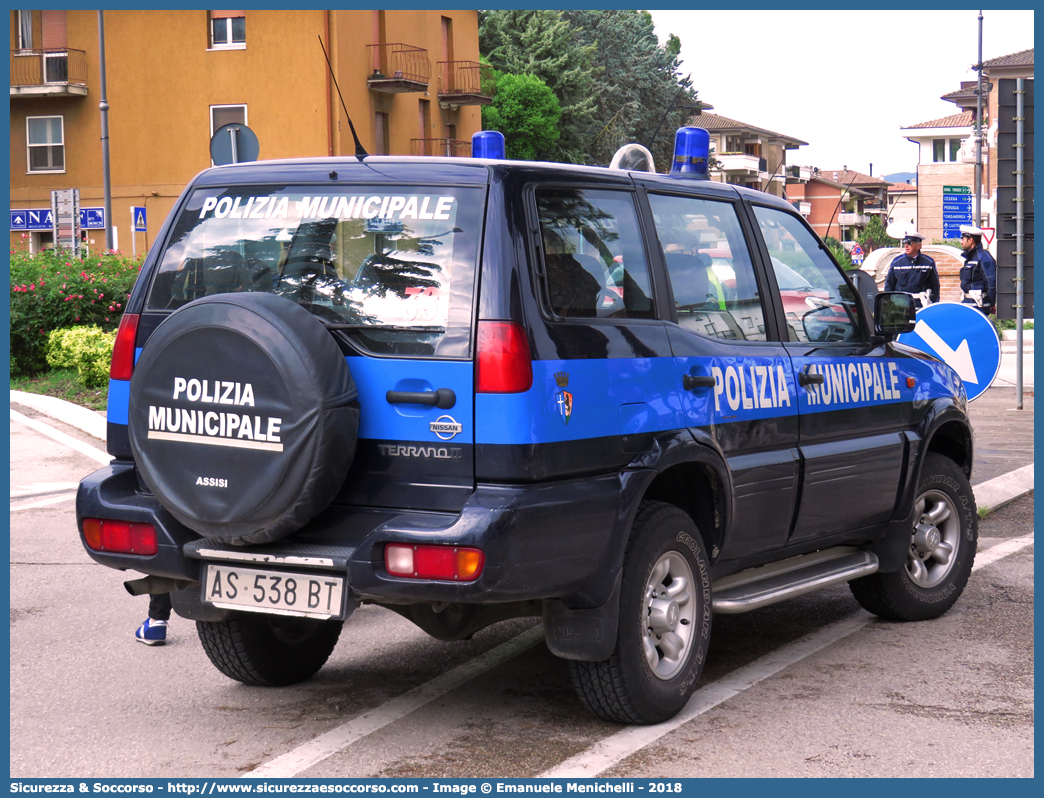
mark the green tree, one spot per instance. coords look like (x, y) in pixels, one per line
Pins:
(527, 112)
(874, 236)
(543, 44)
(637, 82)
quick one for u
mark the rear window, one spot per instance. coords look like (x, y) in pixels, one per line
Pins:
(394, 267)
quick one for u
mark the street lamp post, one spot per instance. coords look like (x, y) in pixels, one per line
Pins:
(103, 106)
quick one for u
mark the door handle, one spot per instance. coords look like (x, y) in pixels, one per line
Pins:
(443, 398)
(808, 378)
(690, 381)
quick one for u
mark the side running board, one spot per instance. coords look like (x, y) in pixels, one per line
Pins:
(758, 587)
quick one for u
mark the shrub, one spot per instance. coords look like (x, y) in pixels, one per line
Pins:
(87, 349)
(51, 291)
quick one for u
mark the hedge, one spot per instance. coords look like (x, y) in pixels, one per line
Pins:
(51, 291)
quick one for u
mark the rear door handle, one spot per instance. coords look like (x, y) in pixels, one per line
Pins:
(443, 398)
(809, 378)
(690, 381)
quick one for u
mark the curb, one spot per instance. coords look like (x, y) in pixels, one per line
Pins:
(89, 421)
(990, 495)
(995, 493)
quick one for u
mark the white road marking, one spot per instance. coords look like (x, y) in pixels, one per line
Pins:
(65, 497)
(83, 448)
(325, 745)
(608, 752)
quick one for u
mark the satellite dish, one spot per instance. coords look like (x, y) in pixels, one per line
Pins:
(634, 157)
(233, 143)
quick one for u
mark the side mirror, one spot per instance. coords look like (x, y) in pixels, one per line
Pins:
(894, 313)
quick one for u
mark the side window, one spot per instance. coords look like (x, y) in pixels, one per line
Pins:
(45, 143)
(711, 273)
(819, 304)
(593, 255)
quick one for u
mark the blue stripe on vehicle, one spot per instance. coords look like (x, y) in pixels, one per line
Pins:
(598, 391)
(119, 400)
(628, 396)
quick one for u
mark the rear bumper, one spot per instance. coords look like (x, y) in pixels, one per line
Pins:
(554, 540)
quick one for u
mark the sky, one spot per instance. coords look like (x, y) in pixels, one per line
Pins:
(844, 81)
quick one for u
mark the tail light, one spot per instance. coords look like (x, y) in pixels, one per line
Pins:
(122, 366)
(504, 362)
(451, 563)
(121, 537)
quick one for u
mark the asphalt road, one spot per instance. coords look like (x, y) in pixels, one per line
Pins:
(810, 687)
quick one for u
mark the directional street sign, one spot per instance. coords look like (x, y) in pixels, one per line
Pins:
(961, 337)
(957, 209)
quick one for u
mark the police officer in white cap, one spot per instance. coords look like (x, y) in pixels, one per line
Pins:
(913, 272)
(979, 273)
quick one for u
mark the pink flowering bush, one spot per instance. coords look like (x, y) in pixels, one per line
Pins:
(52, 290)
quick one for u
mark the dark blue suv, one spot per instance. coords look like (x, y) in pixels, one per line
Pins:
(471, 390)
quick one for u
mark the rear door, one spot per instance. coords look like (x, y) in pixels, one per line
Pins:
(737, 384)
(390, 269)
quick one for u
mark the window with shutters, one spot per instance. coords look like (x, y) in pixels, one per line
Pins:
(45, 143)
(227, 30)
(55, 44)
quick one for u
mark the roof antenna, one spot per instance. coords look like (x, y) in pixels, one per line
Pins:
(360, 151)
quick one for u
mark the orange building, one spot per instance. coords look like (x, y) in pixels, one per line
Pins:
(410, 80)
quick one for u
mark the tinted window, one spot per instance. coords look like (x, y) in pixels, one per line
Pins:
(822, 307)
(712, 276)
(593, 255)
(396, 265)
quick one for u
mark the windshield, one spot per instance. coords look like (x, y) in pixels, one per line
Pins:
(392, 266)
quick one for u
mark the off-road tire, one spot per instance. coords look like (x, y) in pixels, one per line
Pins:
(268, 650)
(640, 683)
(919, 592)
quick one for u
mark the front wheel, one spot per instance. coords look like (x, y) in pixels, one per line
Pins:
(664, 628)
(268, 650)
(941, 551)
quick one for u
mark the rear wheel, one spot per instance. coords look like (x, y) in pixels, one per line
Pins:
(664, 628)
(268, 650)
(941, 552)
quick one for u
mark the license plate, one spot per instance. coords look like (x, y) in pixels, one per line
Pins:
(274, 592)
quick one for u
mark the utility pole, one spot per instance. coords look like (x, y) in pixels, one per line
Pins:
(104, 107)
(978, 133)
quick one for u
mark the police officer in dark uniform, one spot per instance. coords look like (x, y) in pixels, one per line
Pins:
(914, 273)
(979, 273)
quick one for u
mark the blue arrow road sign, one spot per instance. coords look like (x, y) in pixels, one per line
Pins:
(961, 337)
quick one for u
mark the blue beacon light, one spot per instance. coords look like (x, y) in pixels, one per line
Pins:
(691, 151)
(488, 144)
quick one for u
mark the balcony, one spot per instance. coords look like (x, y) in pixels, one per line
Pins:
(444, 146)
(398, 68)
(465, 83)
(852, 219)
(803, 207)
(738, 163)
(798, 174)
(48, 73)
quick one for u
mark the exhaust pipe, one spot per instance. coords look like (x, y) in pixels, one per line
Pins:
(156, 584)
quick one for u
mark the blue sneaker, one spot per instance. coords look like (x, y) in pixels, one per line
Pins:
(152, 633)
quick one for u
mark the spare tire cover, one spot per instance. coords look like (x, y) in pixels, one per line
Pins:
(243, 416)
